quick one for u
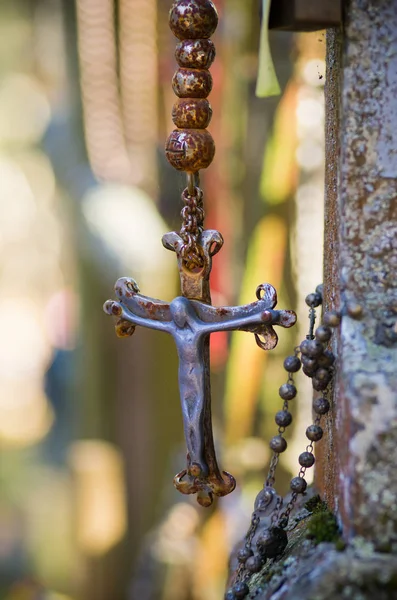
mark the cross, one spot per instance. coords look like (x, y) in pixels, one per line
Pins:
(191, 321)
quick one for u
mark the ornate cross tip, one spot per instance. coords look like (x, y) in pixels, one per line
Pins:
(191, 322)
(205, 486)
(195, 282)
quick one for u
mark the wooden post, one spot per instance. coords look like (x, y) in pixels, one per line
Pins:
(305, 15)
(358, 474)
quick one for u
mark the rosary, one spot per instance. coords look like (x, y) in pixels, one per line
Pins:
(191, 318)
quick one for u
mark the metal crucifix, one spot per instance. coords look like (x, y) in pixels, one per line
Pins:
(191, 319)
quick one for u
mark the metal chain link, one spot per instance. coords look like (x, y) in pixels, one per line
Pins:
(192, 226)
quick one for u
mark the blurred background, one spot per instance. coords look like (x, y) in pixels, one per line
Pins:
(90, 426)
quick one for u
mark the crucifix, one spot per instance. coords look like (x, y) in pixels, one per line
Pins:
(191, 318)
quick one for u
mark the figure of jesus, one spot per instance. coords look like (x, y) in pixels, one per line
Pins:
(190, 322)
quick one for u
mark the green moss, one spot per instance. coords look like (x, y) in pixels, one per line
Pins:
(323, 527)
(316, 505)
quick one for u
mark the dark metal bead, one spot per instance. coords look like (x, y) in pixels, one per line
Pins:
(244, 554)
(192, 83)
(318, 385)
(195, 54)
(306, 459)
(320, 289)
(323, 333)
(230, 595)
(292, 364)
(190, 149)
(321, 406)
(314, 348)
(310, 372)
(304, 347)
(264, 499)
(310, 363)
(313, 300)
(283, 418)
(331, 318)
(327, 359)
(278, 444)
(314, 433)
(188, 113)
(254, 564)
(323, 375)
(193, 19)
(272, 542)
(298, 485)
(287, 391)
(240, 590)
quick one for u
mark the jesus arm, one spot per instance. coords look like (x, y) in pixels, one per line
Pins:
(118, 310)
(239, 320)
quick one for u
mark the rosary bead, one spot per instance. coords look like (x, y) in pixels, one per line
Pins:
(323, 333)
(244, 554)
(320, 289)
(193, 19)
(323, 375)
(240, 590)
(230, 595)
(306, 459)
(263, 499)
(278, 444)
(254, 564)
(310, 363)
(314, 433)
(190, 113)
(192, 83)
(287, 391)
(298, 485)
(272, 542)
(314, 348)
(313, 300)
(195, 54)
(292, 364)
(318, 385)
(190, 149)
(309, 371)
(304, 347)
(327, 359)
(331, 318)
(283, 418)
(321, 406)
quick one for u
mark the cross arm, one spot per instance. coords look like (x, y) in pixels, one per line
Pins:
(137, 309)
(257, 317)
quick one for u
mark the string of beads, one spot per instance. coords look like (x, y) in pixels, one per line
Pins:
(317, 363)
(190, 147)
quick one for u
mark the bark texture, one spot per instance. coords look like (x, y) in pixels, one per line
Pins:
(361, 480)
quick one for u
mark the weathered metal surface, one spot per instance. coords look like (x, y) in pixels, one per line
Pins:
(191, 322)
(305, 15)
(195, 283)
(365, 436)
(326, 454)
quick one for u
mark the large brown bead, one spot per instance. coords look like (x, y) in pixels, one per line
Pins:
(195, 54)
(190, 149)
(193, 19)
(192, 113)
(192, 83)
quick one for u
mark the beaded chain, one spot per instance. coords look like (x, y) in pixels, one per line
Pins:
(317, 363)
(190, 147)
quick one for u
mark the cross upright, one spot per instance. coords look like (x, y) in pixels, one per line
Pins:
(191, 321)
